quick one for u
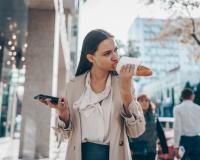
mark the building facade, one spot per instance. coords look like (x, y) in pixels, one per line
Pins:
(169, 60)
(38, 54)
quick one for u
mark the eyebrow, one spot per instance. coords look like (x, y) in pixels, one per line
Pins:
(110, 50)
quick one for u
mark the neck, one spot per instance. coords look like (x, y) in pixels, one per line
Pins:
(98, 75)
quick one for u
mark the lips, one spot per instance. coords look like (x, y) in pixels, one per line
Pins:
(115, 65)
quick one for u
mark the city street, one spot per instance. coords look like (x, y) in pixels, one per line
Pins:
(103, 74)
(9, 149)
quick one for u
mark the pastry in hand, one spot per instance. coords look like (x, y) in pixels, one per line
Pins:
(143, 71)
(139, 70)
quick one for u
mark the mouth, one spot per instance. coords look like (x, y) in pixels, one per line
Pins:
(115, 65)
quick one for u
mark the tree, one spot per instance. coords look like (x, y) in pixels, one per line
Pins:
(181, 24)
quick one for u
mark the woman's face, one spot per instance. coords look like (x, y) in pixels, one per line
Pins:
(145, 102)
(106, 56)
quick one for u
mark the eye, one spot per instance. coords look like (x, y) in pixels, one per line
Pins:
(107, 53)
(116, 49)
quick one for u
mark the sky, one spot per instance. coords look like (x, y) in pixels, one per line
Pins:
(116, 16)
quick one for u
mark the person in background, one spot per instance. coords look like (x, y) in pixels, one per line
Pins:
(144, 147)
(187, 126)
(100, 110)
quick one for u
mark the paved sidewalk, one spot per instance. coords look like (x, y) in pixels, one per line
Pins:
(9, 149)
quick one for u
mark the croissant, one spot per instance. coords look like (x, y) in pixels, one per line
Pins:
(143, 71)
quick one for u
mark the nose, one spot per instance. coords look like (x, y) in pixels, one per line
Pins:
(114, 56)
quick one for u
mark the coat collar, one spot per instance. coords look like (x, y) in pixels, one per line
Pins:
(79, 81)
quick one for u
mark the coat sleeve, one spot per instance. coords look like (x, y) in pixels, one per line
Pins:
(64, 129)
(135, 125)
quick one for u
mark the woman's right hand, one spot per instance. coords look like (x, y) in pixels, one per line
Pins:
(61, 107)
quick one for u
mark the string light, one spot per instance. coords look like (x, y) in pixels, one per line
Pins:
(11, 27)
(12, 58)
(10, 53)
(23, 59)
(9, 43)
(14, 36)
(8, 63)
(13, 48)
(13, 44)
(25, 45)
(14, 53)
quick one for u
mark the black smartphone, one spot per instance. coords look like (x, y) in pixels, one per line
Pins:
(54, 100)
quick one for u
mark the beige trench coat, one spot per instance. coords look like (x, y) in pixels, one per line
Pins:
(119, 146)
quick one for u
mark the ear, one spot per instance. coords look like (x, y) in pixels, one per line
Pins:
(90, 58)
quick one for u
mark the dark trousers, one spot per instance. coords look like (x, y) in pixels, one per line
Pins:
(93, 151)
(192, 147)
(148, 156)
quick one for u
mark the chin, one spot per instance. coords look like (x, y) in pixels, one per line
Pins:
(113, 69)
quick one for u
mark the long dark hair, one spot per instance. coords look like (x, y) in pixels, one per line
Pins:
(90, 45)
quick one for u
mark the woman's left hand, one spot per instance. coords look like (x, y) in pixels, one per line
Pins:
(126, 88)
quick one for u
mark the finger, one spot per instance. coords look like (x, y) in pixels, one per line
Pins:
(42, 101)
(132, 69)
(129, 68)
(61, 103)
(66, 103)
(123, 69)
(48, 101)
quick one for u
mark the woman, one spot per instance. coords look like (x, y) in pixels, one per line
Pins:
(99, 109)
(144, 147)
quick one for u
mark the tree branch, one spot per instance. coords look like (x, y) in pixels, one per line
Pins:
(194, 32)
(196, 38)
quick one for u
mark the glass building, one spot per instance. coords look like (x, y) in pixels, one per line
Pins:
(170, 61)
(13, 44)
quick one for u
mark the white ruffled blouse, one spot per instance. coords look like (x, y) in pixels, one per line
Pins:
(95, 112)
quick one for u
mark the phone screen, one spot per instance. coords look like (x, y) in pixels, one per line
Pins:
(43, 97)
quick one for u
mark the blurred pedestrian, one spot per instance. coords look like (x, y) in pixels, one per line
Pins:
(144, 147)
(99, 109)
(187, 126)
